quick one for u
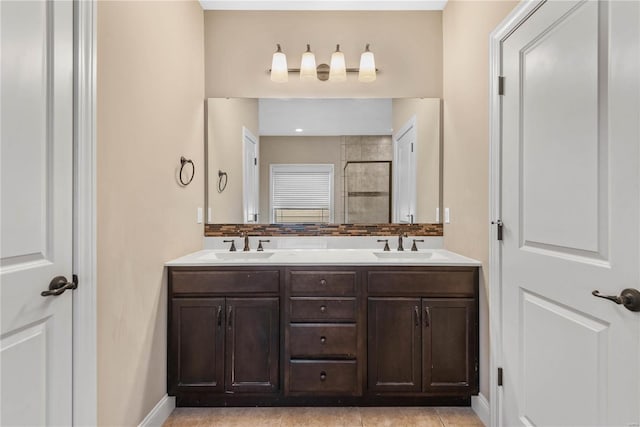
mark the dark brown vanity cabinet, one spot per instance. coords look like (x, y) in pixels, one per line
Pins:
(422, 332)
(322, 333)
(223, 344)
(309, 335)
(394, 345)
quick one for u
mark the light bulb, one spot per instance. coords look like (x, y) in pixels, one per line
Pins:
(338, 68)
(279, 69)
(367, 71)
(308, 66)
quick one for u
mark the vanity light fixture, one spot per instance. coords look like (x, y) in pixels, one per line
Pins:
(336, 72)
(338, 67)
(279, 70)
(308, 66)
(367, 71)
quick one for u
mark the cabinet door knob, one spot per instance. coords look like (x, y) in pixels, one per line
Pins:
(323, 309)
(323, 376)
(323, 340)
(323, 282)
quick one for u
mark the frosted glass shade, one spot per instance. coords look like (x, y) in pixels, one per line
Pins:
(367, 71)
(279, 69)
(338, 68)
(308, 66)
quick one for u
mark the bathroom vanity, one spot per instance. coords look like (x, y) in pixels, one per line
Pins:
(323, 327)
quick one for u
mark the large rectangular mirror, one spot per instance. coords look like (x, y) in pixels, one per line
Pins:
(323, 160)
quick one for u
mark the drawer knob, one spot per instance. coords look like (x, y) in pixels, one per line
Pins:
(323, 309)
(323, 282)
(323, 340)
(323, 376)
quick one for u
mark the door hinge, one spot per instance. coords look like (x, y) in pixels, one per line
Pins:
(500, 85)
(255, 161)
(412, 147)
(499, 227)
(500, 377)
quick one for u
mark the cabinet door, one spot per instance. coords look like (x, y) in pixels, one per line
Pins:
(449, 345)
(252, 345)
(394, 333)
(196, 351)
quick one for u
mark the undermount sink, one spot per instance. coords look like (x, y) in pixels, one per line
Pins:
(238, 255)
(404, 255)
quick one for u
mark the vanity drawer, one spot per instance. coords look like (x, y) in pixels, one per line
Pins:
(437, 283)
(323, 340)
(329, 283)
(311, 309)
(331, 376)
(225, 282)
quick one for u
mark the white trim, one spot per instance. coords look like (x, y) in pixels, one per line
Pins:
(323, 4)
(85, 379)
(159, 413)
(502, 31)
(480, 406)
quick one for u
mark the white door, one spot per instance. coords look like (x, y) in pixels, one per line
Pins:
(36, 227)
(570, 206)
(250, 176)
(404, 173)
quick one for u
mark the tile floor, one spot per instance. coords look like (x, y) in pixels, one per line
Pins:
(324, 417)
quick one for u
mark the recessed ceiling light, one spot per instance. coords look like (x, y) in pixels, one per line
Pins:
(298, 130)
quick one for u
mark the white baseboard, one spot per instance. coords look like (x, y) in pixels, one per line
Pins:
(159, 413)
(480, 406)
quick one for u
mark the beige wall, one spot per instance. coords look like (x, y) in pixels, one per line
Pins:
(427, 113)
(407, 48)
(300, 149)
(466, 29)
(150, 85)
(226, 118)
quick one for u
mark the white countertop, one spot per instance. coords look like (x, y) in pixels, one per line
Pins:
(356, 257)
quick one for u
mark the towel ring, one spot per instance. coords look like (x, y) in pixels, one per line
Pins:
(183, 162)
(221, 185)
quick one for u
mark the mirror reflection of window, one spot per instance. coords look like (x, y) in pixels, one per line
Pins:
(301, 193)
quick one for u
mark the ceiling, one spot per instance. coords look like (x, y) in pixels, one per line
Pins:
(323, 4)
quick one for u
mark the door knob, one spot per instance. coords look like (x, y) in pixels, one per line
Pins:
(59, 284)
(630, 298)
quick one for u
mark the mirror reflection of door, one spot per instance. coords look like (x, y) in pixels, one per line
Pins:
(404, 173)
(251, 176)
(367, 191)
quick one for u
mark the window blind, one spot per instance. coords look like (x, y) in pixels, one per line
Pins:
(301, 190)
(301, 187)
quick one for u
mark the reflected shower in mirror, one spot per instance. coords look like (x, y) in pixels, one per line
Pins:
(353, 161)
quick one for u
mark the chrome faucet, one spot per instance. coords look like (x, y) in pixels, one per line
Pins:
(400, 248)
(246, 242)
